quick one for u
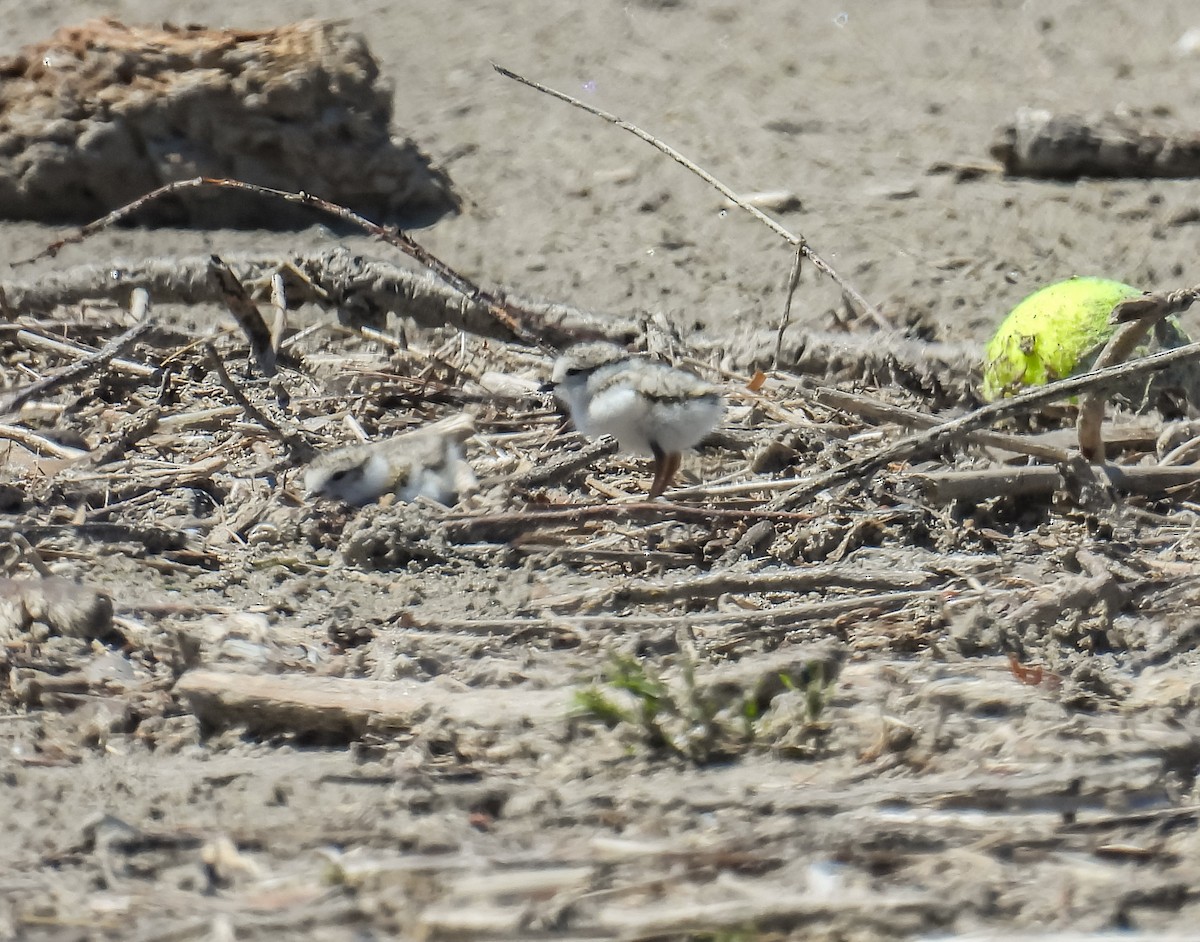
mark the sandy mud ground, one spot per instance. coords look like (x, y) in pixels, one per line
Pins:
(873, 713)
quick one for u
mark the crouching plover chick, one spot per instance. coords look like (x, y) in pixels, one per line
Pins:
(427, 462)
(650, 408)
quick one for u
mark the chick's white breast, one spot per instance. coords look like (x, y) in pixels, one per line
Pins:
(645, 403)
(619, 411)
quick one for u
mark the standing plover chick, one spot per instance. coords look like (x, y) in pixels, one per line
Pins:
(427, 462)
(650, 408)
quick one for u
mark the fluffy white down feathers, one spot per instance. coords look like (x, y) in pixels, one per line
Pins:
(426, 463)
(650, 408)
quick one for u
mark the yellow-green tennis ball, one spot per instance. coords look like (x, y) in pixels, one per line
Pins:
(1050, 334)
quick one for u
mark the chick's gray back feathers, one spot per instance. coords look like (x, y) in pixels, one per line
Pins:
(650, 407)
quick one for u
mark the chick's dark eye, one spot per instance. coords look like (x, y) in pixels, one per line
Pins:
(576, 371)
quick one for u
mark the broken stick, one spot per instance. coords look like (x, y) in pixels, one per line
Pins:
(981, 417)
(88, 365)
(500, 310)
(1135, 317)
(799, 242)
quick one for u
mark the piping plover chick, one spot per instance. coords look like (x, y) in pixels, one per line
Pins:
(650, 408)
(427, 462)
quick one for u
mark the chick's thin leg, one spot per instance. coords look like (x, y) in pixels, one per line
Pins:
(674, 460)
(666, 466)
(658, 485)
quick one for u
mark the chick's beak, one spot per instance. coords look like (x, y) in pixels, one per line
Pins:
(548, 387)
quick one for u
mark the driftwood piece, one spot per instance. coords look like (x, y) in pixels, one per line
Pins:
(364, 291)
(774, 913)
(766, 621)
(1065, 787)
(345, 706)
(1126, 433)
(361, 290)
(101, 112)
(246, 313)
(1040, 143)
(348, 706)
(955, 429)
(985, 483)
(560, 466)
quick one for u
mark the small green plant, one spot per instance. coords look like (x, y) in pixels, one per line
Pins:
(814, 685)
(648, 699)
(706, 721)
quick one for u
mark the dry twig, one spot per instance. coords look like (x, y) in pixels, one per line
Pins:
(792, 283)
(39, 444)
(878, 410)
(81, 368)
(237, 299)
(501, 527)
(298, 447)
(799, 242)
(1135, 317)
(985, 415)
(498, 308)
(27, 338)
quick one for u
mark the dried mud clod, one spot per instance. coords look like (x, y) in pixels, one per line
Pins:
(392, 537)
(64, 607)
(92, 117)
(1040, 143)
